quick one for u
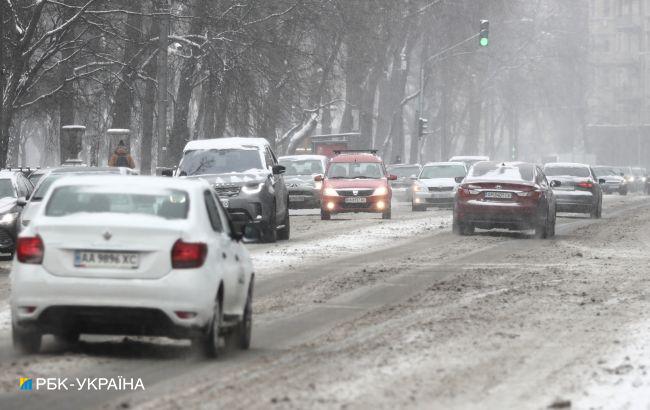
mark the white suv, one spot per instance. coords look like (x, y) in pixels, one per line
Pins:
(151, 256)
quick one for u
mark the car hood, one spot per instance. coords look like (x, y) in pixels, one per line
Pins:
(356, 183)
(242, 178)
(299, 180)
(439, 182)
(7, 203)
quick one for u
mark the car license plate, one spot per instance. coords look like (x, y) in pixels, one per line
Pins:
(498, 195)
(296, 198)
(114, 260)
(355, 200)
(224, 202)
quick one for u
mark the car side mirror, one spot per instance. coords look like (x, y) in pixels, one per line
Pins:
(278, 169)
(318, 178)
(22, 201)
(555, 183)
(601, 181)
(392, 177)
(459, 179)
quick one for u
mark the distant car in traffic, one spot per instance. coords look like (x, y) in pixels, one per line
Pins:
(247, 178)
(640, 178)
(578, 189)
(469, 160)
(614, 181)
(356, 182)
(299, 174)
(49, 175)
(155, 257)
(14, 189)
(405, 174)
(436, 184)
(508, 195)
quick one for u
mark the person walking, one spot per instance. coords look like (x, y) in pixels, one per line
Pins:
(121, 157)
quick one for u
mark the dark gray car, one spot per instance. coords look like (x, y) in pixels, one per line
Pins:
(14, 189)
(577, 189)
(299, 175)
(247, 177)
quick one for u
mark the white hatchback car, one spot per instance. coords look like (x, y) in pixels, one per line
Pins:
(151, 256)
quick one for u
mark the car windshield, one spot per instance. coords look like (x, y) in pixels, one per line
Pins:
(354, 170)
(302, 167)
(442, 171)
(219, 161)
(7, 189)
(67, 200)
(557, 170)
(499, 172)
(404, 172)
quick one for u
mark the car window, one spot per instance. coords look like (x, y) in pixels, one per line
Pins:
(213, 212)
(302, 167)
(541, 178)
(442, 171)
(352, 170)
(404, 172)
(570, 171)
(220, 161)
(502, 172)
(268, 158)
(7, 189)
(23, 191)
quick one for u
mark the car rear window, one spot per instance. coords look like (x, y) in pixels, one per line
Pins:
(556, 171)
(501, 172)
(68, 200)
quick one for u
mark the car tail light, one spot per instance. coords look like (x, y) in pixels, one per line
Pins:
(188, 255)
(30, 250)
(586, 184)
(468, 190)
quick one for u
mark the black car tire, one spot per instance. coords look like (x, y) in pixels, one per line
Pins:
(284, 233)
(269, 231)
(622, 191)
(67, 337)
(324, 215)
(209, 345)
(386, 214)
(25, 341)
(596, 211)
(461, 228)
(244, 329)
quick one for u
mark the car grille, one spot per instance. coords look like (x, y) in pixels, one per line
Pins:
(227, 190)
(6, 240)
(441, 189)
(300, 192)
(350, 192)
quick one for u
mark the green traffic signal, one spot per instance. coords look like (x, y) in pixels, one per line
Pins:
(483, 33)
(484, 42)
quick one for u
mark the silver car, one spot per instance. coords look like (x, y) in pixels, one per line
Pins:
(299, 174)
(436, 185)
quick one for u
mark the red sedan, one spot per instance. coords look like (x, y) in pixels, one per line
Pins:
(510, 195)
(355, 182)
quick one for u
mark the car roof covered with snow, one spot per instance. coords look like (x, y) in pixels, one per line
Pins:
(392, 166)
(304, 157)
(356, 157)
(227, 143)
(469, 157)
(565, 165)
(431, 164)
(142, 183)
(501, 171)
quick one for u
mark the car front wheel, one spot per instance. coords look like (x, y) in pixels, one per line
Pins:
(285, 232)
(325, 216)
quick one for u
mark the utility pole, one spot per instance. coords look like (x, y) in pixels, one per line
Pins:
(163, 14)
(2, 68)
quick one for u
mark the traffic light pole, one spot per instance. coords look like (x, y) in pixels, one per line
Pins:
(415, 142)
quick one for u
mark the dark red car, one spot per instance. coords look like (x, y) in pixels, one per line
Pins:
(510, 195)
(355, 182)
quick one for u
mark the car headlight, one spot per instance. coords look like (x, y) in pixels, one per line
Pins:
(318, 185)
(329, 191)
(382, 190)
(9, 217)
(253, 188)
(644, 179)
(631, 179)
(418, 188)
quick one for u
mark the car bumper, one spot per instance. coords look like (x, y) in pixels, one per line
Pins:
(338, 204)
(87, 304)
(304, 198)
(401, 193)
(254, 208)
(574, 201)
(489, 215)
(428, 198)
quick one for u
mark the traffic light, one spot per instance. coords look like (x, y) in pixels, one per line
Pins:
(422, 126)
(483, 39)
